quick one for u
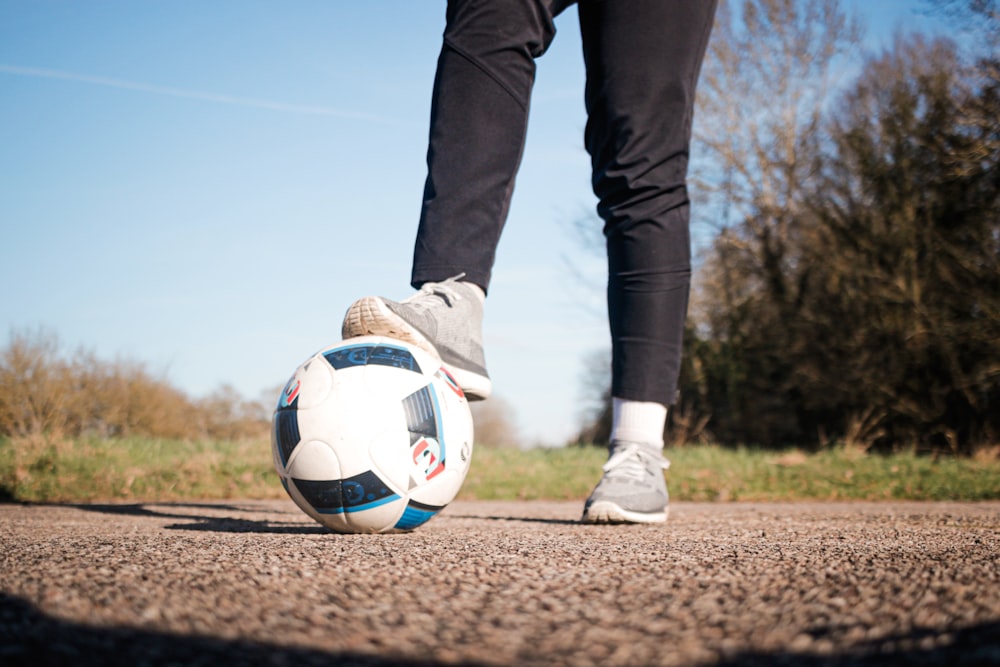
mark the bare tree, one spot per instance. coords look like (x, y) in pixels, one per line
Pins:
(771, 67)
(770, 72)
(766, 81)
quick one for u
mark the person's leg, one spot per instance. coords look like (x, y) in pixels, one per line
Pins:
(479, 117)
(643, 58)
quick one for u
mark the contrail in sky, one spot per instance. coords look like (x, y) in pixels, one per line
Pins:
(194, 94)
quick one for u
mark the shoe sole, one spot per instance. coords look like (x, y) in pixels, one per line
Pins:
(605, 511)
(371, 317)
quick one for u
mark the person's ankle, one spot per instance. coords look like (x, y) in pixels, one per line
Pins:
(640, 422)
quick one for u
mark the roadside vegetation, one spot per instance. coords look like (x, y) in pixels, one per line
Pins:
(161, 470)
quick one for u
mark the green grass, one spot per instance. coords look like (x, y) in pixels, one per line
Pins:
(135, 469)
(87, 470)
(707, 473)
(713, 473)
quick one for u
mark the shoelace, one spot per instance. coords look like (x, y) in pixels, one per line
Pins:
(444, 290)
(629, 462)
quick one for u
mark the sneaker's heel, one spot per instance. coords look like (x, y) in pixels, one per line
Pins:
(369, 316)
(476, 387)
(606, 511)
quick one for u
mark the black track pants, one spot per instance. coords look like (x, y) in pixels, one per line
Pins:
(642, 59)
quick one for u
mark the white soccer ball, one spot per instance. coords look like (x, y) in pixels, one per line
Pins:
(372, 435)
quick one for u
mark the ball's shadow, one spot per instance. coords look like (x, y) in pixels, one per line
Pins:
(191, 520)
(517, 519)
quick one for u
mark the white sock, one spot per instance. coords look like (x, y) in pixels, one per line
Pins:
(638, 421)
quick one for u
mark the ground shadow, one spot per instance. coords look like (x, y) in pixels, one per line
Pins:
(204, 522)
(973, 646)
(236, 524)
(31, 637)
(519, 519)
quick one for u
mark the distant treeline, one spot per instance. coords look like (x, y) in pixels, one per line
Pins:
(852, 290)
(46, 391)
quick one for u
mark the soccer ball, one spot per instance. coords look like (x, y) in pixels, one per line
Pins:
(372, 435)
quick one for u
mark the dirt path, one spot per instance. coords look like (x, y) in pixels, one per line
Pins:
(492, 583)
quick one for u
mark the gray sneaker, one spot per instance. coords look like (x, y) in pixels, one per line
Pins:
(632, 490)
(445, 318)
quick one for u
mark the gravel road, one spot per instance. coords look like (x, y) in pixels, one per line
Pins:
(502, 583)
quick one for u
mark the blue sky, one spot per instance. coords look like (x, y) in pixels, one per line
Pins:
(206, 186)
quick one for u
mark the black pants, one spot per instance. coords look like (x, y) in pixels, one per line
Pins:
(642, 59)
